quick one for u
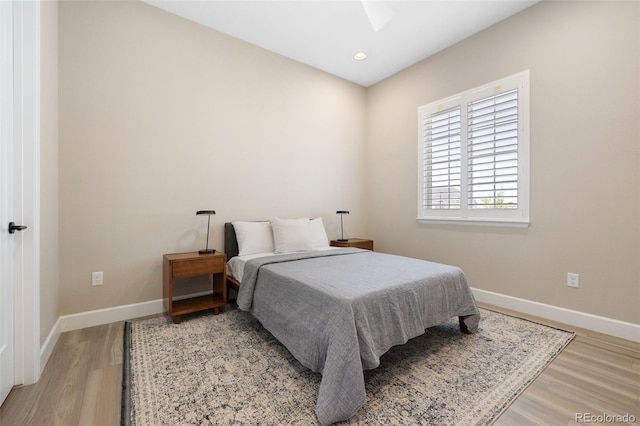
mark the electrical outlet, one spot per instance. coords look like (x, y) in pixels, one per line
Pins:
(97, 278)
(573, 280)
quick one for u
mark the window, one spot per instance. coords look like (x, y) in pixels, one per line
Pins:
(473, 155)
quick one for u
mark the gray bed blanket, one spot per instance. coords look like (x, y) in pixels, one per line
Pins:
(338, 311)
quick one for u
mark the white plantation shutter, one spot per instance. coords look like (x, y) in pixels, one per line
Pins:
(473, 155)
(442, 160)
(492, 146)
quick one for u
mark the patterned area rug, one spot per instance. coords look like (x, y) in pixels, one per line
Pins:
(227, 369)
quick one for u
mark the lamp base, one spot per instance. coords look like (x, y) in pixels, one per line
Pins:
(206, 251)
(343, 240)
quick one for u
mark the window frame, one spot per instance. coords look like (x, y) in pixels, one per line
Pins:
(515, 217)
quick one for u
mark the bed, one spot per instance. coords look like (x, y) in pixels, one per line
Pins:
(338, 310)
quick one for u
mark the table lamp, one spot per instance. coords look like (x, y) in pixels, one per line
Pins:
(342, 213)
(208, 213)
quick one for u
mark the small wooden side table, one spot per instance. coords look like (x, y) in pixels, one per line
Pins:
(354, 242)
(193, 264)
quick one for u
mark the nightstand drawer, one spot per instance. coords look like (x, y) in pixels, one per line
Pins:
(354, 242)
(192, 268)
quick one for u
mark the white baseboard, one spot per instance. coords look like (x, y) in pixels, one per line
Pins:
(109, 315)
(612, 327)
(47, 347)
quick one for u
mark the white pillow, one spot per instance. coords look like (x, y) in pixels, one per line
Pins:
(291, 235)
(318, 234)
(253, 237)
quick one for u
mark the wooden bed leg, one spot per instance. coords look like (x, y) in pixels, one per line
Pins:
(463, 326)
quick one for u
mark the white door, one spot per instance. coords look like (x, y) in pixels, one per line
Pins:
(8, 244)
(19, 192)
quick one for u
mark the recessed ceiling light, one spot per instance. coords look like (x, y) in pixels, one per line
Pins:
(360, 56)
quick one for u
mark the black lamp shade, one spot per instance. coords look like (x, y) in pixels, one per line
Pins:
(208, 213)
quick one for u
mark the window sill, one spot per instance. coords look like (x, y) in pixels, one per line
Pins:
(508, 223)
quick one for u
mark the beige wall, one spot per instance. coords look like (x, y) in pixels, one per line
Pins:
(49, 259)
(585, 158)
(160, 117)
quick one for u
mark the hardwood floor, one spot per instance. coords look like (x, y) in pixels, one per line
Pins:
(81, 383)
(595, 375)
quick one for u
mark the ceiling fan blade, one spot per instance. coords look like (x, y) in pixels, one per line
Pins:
(378, 12)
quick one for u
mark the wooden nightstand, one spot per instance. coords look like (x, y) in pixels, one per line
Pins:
(193, 264)
(354, 242)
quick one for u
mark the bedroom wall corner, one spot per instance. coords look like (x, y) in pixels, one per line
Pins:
(49, 189)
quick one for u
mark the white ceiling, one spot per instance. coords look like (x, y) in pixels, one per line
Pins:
(325, 34)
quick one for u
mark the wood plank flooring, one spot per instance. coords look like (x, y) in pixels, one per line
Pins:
(595, 375)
